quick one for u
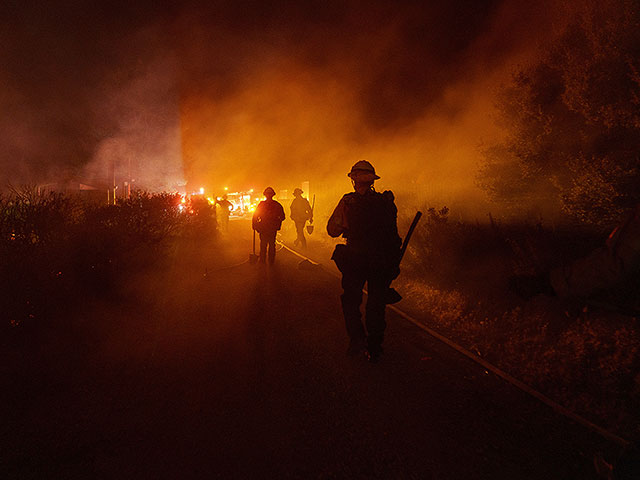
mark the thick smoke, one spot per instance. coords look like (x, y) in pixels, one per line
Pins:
(242, 95)
(410, 88)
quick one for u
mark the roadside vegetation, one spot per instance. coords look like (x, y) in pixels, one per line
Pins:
(571, 153)
(59, 252)
(583, 353)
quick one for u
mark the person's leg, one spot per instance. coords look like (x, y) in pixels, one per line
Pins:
(263, 247)
(303, 239)
(300, 240)
(352, 283)
(375, 313)
(272, 247)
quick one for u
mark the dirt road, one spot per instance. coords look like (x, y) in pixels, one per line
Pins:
(204, 371)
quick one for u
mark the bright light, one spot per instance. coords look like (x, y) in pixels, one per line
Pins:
(201, 190)
(226, 188)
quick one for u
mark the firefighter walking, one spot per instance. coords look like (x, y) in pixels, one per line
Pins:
(225, 210)
(300, 212)
(267, 220)
(367, 219)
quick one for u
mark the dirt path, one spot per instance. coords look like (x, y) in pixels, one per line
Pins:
(213, 372)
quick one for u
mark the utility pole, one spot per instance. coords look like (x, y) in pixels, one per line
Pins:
(111, 192)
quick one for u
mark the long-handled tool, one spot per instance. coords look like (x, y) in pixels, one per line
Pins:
(310, 227)
(405, 243)
(253, 258)
(392, 295)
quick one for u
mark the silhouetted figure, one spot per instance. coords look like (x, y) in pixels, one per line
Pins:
(367, 219)
(300, 213)
(267, 220)
(225, 210)
(610, 266)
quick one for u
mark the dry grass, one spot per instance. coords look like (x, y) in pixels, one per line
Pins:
(588, 359)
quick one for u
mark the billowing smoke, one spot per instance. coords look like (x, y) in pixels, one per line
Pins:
(286, 98)
(242, 95)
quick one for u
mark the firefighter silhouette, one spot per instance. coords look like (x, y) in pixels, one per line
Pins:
(367, 219)
(267, 220)
(225, 210)
(300, 213)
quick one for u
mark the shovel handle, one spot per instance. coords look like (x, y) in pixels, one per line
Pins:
(405, 243)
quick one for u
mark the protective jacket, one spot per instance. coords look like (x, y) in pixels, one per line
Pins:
(300, 210)
(605, 267)
(268, 216)
(368, 222)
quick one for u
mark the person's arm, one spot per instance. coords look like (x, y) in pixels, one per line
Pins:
(337, 224)
(309, 212)
(255, 220)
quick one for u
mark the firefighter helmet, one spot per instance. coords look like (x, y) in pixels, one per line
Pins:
(363, 171)
(297, 191)
(269, 192)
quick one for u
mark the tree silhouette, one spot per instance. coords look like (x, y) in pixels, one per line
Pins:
(573, 120)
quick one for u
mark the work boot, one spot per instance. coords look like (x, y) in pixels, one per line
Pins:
(374, 354)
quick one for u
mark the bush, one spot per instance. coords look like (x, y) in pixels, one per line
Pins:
(572, 121)
(59, 250)
(583, 356)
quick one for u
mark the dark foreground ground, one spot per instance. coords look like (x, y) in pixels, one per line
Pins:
(204, 371)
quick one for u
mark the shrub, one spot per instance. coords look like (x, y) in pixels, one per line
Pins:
(58, 250)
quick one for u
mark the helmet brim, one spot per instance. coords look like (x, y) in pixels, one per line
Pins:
(363, 176)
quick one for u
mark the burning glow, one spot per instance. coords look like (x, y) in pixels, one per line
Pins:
(294, 118)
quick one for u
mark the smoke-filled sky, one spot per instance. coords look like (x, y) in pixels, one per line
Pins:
(239, 94)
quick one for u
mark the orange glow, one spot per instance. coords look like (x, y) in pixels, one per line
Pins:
(286, 121)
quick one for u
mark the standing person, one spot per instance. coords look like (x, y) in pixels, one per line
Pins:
(225, 210)
(300, 213)
(267, 220)
(367, 219)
